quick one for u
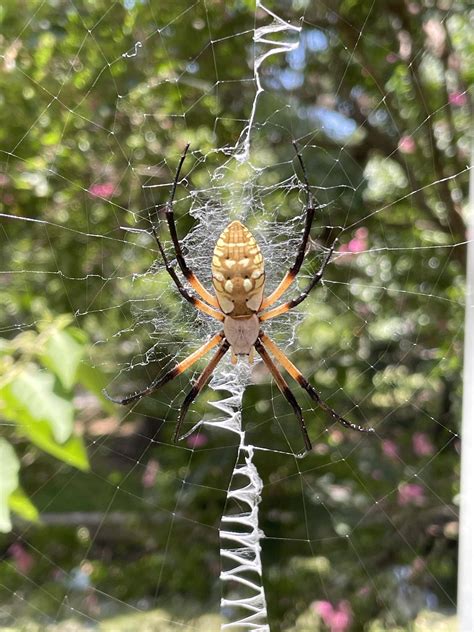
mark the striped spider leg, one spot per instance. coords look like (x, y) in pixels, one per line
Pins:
(238, 279)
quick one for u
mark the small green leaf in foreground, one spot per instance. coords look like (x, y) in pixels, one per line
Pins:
(9, 467)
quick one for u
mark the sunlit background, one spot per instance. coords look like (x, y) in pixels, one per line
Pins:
(105, 523)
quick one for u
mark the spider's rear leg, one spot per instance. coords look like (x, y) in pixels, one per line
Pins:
(303, 382)
(170, 375)
(198, 386)
(286, 392)
(195, 302)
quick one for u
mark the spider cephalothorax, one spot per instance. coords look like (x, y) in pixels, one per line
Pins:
(238, 277)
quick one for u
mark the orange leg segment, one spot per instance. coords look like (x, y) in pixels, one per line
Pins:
(303, 382)
(182, 290)
(174, 372)
(285, 390)
(291, 274)
(281, 309)
(198, 386)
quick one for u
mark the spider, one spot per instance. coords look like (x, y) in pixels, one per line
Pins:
(238, 277)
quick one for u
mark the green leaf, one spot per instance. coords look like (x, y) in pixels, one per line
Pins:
(29, 398)
(73, 451)
(44, 417)
(9, 467)
(22, 505)
(62, 356)
(94, 380)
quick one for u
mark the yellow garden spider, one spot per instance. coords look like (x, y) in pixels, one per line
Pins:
(238, 278)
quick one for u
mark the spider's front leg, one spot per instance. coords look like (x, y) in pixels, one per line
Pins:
(295, 268)
(187, 272)
(285, 307)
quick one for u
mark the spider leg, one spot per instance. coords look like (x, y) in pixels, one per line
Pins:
(293, 271)
(285, 307)
(188, 273)
(171, 374)
(285, 390)
(198, 386)
(195, 302)
(303, 382)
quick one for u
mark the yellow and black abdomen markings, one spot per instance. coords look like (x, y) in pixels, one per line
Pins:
(238, 273)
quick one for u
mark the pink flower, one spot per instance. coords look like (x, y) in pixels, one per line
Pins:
(411, 494)
(150, 473)
(324, 609)
(458, 98)
(357, 244)
(391, 58)
(22, 559)
(422, 445)
(436, 36)
(414, 8)
(103, 190)
(364, 591)
(321, 448)
(92, 604)
(337, 619)
(390, 449)
(197, 440)
(406, 145)
(336, 437)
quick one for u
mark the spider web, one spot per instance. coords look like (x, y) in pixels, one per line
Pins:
(353, 489)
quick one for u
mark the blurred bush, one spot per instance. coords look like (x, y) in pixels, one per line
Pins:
(379, 101)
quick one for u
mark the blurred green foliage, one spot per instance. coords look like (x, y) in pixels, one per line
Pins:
(38, 372)
(84, 124)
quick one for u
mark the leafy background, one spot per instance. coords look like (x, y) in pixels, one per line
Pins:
(377, 95)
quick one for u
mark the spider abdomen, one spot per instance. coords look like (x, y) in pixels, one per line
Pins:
(238, 273)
